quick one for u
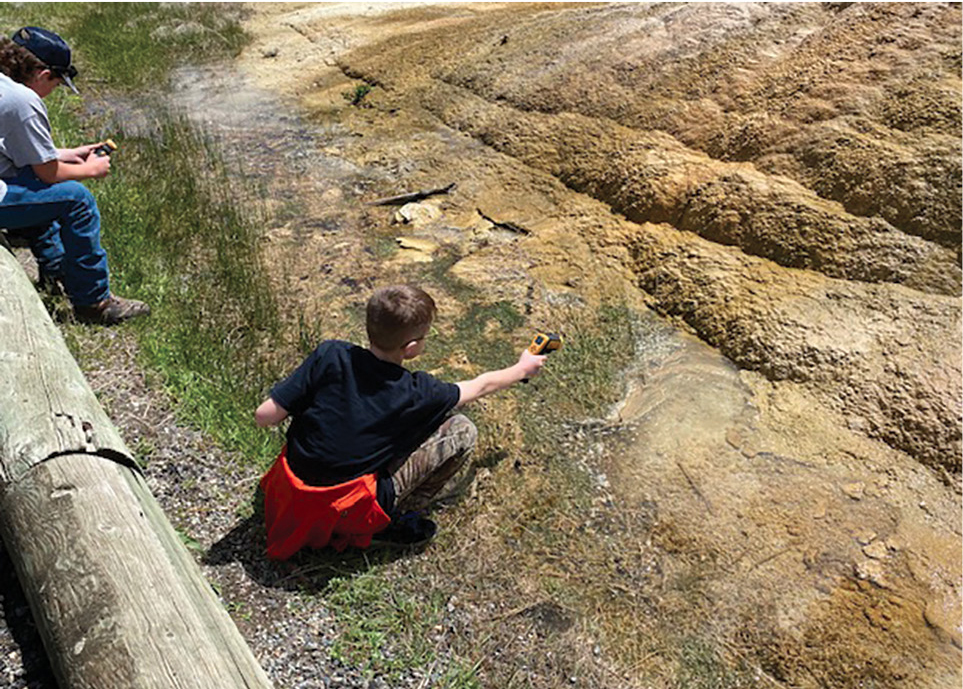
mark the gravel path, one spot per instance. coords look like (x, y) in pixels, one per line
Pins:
(207, 495)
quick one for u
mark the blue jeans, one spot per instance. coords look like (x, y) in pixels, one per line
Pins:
(62, 224)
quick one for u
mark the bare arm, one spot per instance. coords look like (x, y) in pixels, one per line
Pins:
(270, 413)
(527, 366)
(55, 171)
(75, 155)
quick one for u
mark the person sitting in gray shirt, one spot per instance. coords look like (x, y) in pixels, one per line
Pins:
(41, 197)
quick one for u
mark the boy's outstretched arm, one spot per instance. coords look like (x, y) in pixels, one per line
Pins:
(270, 413)
(527, 366)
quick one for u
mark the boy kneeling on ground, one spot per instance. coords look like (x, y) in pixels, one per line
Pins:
(370, 443)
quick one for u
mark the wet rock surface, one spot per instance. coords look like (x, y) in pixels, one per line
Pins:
(595, 133)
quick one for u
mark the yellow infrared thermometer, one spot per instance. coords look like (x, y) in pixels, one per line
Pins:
(545, 343)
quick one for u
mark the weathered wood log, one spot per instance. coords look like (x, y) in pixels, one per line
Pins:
(118, 600)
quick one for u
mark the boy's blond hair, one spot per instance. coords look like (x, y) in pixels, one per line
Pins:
(397, 315)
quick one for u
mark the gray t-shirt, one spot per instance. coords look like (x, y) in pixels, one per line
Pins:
(25, 136)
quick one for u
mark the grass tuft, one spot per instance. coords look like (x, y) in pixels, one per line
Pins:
(384, 631)
(357, 95)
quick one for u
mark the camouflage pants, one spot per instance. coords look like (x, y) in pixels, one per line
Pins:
(418, 477)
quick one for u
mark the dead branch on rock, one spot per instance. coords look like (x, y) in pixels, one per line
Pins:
(413, 196)
(504, 224)
(695, 488)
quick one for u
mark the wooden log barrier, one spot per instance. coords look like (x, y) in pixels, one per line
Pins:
(118, 600)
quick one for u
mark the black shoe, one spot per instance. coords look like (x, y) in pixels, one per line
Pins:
(408, 530)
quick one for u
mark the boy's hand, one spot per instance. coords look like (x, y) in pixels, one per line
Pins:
(83, 152)
(76, 155)
(530, 363)
(97, 166)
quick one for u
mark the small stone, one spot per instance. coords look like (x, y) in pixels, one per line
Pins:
(943, 616)
(417, 244)
(872, 571)
(270, 52)
(876, 550)
(416, 214)
(854, 490)
(865, 537)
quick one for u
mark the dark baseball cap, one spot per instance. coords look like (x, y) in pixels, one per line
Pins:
(50, 49)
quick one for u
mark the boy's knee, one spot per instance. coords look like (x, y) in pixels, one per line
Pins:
(465, 429)
(78, 194)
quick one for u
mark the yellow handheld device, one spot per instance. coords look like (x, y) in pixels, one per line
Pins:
(545, 343)
(106, 148)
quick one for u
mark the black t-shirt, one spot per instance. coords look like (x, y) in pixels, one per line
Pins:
(352, 413)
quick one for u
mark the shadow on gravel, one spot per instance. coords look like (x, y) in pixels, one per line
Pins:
(17, 625)
(308, 571)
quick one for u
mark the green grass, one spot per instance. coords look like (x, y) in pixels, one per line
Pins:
(131, 46)
(384, 631)
(584, 377)
(388, 628)
(180, 241)
(701, 666)
(173, 230)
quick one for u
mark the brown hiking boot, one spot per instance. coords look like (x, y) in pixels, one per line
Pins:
(111, 311)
